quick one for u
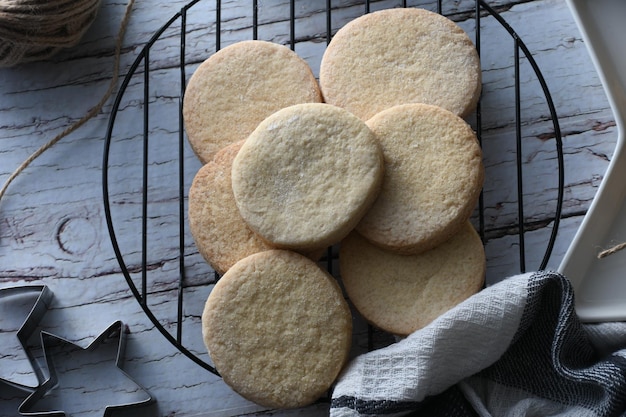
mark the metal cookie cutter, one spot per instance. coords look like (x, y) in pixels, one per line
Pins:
(20, 366)
(85, 381)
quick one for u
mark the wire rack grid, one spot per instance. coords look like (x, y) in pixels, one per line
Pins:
(177, 271)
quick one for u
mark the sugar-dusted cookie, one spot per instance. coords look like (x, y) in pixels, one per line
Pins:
(433, 178)
(239, 86)
(220, 234)
(400, 293)
(277, 329)
(306, 176)
(397, 56)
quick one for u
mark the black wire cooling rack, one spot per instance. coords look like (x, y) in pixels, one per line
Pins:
(150, 204)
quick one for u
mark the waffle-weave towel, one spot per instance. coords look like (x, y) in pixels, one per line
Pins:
(515, 349)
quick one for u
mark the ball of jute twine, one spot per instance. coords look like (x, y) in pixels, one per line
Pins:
(90, 113)
(32, 30)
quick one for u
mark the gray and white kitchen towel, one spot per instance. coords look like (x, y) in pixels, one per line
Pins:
(515, 349)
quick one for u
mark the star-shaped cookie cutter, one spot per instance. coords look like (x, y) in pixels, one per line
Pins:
(85, 378)
(26, 330)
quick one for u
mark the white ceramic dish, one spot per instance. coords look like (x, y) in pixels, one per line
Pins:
(600, 284)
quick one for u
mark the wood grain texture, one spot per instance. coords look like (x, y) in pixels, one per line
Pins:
(52, 223)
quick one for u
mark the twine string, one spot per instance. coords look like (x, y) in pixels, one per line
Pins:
(612, 250)
(91, 113)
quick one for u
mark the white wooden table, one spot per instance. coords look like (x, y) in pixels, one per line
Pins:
(52, 222)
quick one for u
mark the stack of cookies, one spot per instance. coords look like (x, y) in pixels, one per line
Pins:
(376, 157)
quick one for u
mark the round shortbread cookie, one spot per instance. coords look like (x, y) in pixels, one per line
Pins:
(433, 178)
(307, 175)
(277, 329)
(220, 234)
(231, 92)
(400, 293)
(397, 56)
